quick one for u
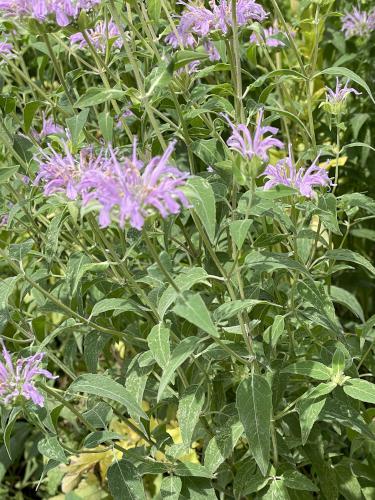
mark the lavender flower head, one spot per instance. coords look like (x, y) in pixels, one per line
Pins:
(246, 11)
(304, 180)
(250, 146)
(335, 99)
(197, 22)
(131, 191)
(49, 127)
(6, 50)
(63, 11)
(269, 37)
(99, 36)
(62, 173)
(18, 380)
(358, 23)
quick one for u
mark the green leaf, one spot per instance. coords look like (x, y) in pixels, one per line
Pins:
(189, 409)
(192, 308)
(52, 237)
(93, 345)
(276, 491)
(154, 9)
(99, 437)
(106, 126)
(348, 483)
(124, 481)
(29, 113)
(105, 387)
(180, 354)
(118, 305)
(184, 281)
(207, 151)
(297, 481)
(200, 194)
(348, 300)
(222, 444)
(6, 289)
(230, 309)
(350, 256)
(7, 104)
(158, 342)
(51, 448)
(360, 389)
(311, 406)
(191, 469)
(269, 262)
(338, 362)
(6, 172)
(312, 369)
(347, 73)
(95, 96)
(184, 57)
(273, 333)
(254, 406)
(170, 488)
(159, 78)
(239, 229)
(339, 412)
(78, 265)
(76, 124)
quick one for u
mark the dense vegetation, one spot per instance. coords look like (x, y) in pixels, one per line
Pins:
(186, 249)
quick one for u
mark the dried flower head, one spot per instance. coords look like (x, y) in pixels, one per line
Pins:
(18, 380)
(304, 180)
(128, 190)
(253, 145)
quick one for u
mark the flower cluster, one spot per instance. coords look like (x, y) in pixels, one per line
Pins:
(358, 23)
(99, 36)
(62, 173)
(304, 180)
(63, 11)
(19, 380)
(124, 190)
(256, 145)
(198, 22)
(335, 99)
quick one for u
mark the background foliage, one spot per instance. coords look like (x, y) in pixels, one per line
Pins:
(226, 352)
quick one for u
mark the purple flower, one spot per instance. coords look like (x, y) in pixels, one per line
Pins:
(213, 53)
(250, 146)
(246, 11)
(6, 50)
(19, 380)
(284, 172)
(4, 219)
(130, 191)
(100, 36)
(335, 99)
(63, 11)
(126, 114)
(62, 173)
(358, 23)
(339, 95)
(49, 127)
(269, 37)
(189, 69)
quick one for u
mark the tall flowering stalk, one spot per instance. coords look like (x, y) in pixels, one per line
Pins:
(304, 179)
(17, 380)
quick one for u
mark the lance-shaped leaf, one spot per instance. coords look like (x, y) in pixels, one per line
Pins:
(189, 409)
(254, 406)
(124, 481)
(103, 386)
(192, 308)
(158, 342)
